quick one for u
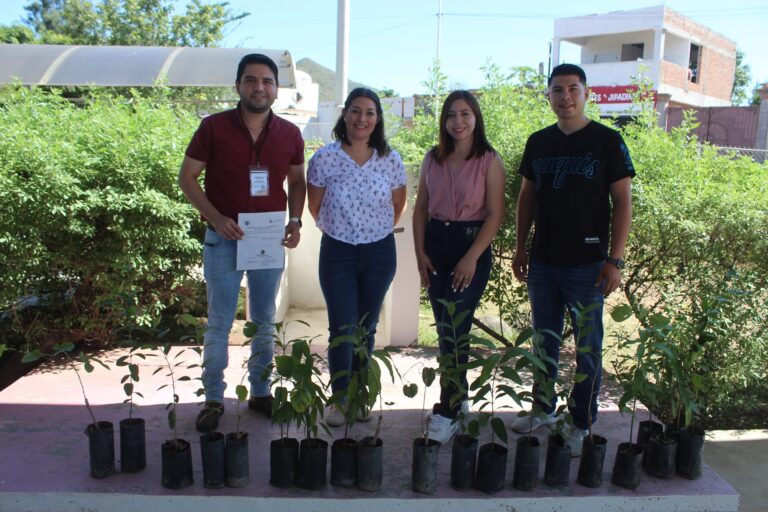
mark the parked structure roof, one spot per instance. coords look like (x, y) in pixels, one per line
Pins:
(130, 66)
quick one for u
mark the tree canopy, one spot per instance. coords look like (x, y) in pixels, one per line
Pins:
(122, 22)
(742, 79)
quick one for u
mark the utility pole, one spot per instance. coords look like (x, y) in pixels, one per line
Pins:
(437, 58)
(439, 28)
(342, 53)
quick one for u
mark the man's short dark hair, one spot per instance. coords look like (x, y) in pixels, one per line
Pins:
(256, 58)
(568, 69)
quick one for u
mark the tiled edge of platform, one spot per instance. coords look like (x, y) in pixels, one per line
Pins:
(86, 502)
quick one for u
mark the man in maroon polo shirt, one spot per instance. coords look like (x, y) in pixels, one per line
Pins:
(247, 154)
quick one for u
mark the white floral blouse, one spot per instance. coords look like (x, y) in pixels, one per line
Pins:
(357, 203)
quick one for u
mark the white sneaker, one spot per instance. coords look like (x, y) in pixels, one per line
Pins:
(442, 429)
(523, 424)
(574, 438)
(363, 415)
(334, 416)
(464, 409)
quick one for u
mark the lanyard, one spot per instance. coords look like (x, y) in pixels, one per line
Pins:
(258, 144)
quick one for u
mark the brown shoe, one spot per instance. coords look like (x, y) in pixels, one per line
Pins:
(262, 404)
(208, 418)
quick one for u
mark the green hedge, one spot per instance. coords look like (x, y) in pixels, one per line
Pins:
(94, 226)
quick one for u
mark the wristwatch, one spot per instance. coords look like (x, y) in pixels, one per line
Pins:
(616, 262)
(297, 220)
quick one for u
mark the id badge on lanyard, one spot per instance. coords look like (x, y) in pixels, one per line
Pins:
(259, 181)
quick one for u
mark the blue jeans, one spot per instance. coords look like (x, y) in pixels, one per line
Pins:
(222, 282)
(552, 291)
(446, 243)
(354, 280)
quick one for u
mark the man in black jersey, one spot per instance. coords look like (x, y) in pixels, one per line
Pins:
(576, 193)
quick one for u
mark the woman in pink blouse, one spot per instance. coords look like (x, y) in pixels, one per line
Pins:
(459, 208)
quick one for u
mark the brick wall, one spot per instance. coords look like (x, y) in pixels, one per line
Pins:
(717, 59)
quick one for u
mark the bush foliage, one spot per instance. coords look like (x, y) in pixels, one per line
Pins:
(698, 250)
(93, 225)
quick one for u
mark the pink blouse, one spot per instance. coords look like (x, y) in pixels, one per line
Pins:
(458, 195)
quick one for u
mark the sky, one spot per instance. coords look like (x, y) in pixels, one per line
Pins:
(394, 42)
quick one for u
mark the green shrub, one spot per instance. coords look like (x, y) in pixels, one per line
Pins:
(93, 221)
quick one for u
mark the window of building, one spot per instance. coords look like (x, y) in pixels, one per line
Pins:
(632, 51)
(693, 63)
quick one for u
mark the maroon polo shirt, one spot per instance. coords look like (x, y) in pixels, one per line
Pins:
(223, 142)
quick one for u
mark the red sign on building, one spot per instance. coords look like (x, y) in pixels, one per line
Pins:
(613, 94)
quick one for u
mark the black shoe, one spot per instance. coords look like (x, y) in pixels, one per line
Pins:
(208, 418)
(262, 404)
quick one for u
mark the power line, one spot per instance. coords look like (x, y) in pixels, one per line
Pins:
(370, 34)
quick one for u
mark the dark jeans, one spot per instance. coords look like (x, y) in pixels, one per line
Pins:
(354, 280)
(553, 290)
(446, 243)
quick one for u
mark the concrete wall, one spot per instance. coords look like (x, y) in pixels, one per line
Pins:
(608, 48)
(619, 73)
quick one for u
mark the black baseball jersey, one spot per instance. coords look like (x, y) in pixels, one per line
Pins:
(572, 174)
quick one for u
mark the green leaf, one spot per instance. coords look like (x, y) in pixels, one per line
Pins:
(579, 378)
(284, 366)
(428, 375)
(499, 429)
(32, 356)
(410, 390)
(241, 392)
(172, 418)
(67, 346)
(621, 313)
(128, 388)
(187, 320)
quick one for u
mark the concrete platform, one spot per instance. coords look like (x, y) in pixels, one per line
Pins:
(44, 455)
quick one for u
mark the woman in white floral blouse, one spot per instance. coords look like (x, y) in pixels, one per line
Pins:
(356, 189)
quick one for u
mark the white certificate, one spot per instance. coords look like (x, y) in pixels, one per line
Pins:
(262, 243)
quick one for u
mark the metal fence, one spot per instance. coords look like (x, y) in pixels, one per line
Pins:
(758, 155)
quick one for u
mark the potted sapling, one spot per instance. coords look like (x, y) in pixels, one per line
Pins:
(101, 437)
(299, 398)
(630, 369)
(236, 446)
(138, 340)
(370, 450)
(679, 347)
(452, 368)
(664, 362)
(593, 446)
(283, 452)
(308, 400)
(425, 450)
(212, 444)
(528, 447)
(354, 463)
(133, 451)
(176, 452)
(492, 456)
(557, 465)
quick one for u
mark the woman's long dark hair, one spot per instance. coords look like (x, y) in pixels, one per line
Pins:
(446, 144)
(377, 140)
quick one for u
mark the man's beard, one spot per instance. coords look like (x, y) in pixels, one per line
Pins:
(254, 109)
